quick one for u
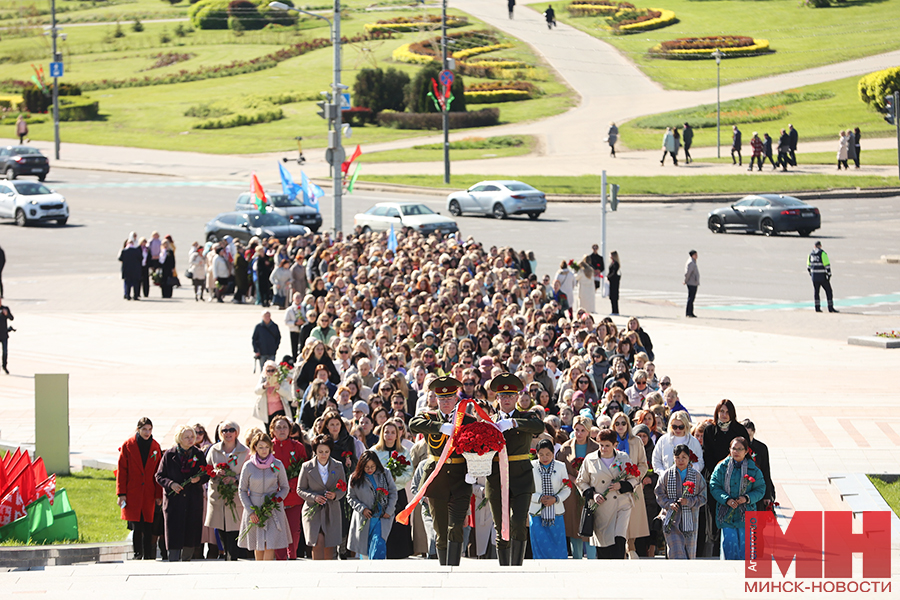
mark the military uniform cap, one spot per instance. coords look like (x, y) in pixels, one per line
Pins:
(445, 386)
(506, 383)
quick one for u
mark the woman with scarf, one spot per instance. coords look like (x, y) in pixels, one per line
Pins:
(263, 477)
(138, 492)
(572, 454)
(399, 543)
(180, 473)
(273, 397)
(219, 513)
(289, 451)
(632, 445)
(716, 444)
(737, 484)
(373, 497)
(680, 492)
(551, 485)
(646, 546)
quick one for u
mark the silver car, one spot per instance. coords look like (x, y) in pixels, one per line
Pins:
(404, 214)
(498, 198)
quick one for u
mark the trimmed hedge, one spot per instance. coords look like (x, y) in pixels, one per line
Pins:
(875, 86)
(491, 96)
(78, 108)
(247, 14)
(485, 117)
(262, 115)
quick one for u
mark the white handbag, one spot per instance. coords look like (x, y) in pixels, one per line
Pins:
(604, 287)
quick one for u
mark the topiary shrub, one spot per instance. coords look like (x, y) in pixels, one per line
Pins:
(78, 108)
(247, 14)
(417, 99)
(379, 90)
(36, 101)
(209, 14)
(875, 86)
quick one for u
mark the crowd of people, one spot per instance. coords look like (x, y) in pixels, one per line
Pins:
(385, 345)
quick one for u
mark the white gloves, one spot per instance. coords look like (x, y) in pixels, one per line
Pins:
(447, 429)
(470, 479)
(504, 424)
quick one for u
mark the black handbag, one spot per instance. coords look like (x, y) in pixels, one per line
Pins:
(586, 525)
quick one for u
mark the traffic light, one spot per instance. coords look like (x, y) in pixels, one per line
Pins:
(326, 110)
(613, 196)
(889, 114)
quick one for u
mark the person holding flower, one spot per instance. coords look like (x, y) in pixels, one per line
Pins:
(629, 443)
(552, 487)
(263, 481)
(681, 491)
(607, 479)
(321, 485)
(372, 496)
(395, 458)
(181, 475)
(274, 395)
(679, 434)
(223, 507)
(138, 492)
(572, 454)
(736, 485)
(292, 455)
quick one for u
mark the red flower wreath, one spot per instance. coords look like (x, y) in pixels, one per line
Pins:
(480, 438)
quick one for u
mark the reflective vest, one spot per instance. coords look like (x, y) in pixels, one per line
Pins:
(818, 264)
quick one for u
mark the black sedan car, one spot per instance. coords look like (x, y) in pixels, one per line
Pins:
(769, 213)
(16, 161)
(294, 210)
(246, 224)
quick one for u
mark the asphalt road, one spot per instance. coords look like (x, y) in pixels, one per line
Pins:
(47, 264)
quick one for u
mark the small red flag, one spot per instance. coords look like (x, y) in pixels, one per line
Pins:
(345, 166)
(259, 195)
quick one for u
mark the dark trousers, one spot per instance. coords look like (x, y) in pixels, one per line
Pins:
(448, 496)
(132, 285)
(692, 293)
(824, 284)
(1, 282)
(616, 551)
(229, 544)
(674, 156)
(295, 343)
(5, 344)
(145, 281)
(756, 159)
(739, 160)
(842, 162)
(221, 287)
(142, 538)
(769, 156)
(782, 160)
(614, 295)
(855, 161)
(793, 158)
(687, 153)
(518, 519)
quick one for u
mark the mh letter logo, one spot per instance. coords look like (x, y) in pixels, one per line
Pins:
(822, 543)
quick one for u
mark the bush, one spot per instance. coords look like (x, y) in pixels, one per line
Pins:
(247, 14)
(479, 118)
(207, 111)
(417, 99)
(358, 116)
(78, 108)
(137, 26)
(36, 101)
(380, 90)
(264, 115)
(164, 37)
(875, 86)
(209, 14)
(118, 33)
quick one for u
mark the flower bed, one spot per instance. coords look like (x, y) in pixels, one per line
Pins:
(593, 8)
(643, 19)
(464, 54)
(703, 47)
(483, 93)
(404, 24)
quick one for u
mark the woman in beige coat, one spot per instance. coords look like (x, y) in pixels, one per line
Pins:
(571, 453)
(218, 514)
(637, 526)
(272, 398)
(263, 477)
(321, 484)
(612, 511)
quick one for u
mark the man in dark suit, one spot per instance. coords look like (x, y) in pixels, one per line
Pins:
(130, 257)
(794, 138)
(519, 428)
(5, 316)
(2, 264)
(596, 262)
(449, 493)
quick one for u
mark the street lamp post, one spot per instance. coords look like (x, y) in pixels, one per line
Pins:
(445, 116)
(334, 136)
(718, 56)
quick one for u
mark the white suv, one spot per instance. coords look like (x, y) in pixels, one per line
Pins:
(30, 201)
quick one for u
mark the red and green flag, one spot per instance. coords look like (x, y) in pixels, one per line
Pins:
(259, 196)
(345, 167)
(353, 179)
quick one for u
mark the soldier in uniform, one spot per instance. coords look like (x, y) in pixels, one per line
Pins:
(448, 494)
(819, 268)
(519, 428)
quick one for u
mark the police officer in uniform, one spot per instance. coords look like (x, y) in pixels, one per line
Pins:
(819, 268)
(448, 494)
(519, 428)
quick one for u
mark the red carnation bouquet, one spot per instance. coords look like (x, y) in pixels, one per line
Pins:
(263, 512)
(381, 496)
(576, 463)
(226, 490)
(292, 470)
(687, 489)
(479, 438)
(397, 464)
(314, 507)
(284, 372)
(631, 470)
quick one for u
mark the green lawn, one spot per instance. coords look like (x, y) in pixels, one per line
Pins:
(801, 37)
(814, 120)
(74, 11)
(658, 185)
(890, 492)
(468, 149)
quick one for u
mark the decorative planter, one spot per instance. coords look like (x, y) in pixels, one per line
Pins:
(874, 341)
(479, 465)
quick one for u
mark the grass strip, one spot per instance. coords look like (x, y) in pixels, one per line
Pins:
(889, 491)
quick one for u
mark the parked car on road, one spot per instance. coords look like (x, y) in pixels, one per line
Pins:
(404, 214)
(31, 202)
(294, 210)
(16, 161)
(243, 225)
(769, 213)
(498, 198)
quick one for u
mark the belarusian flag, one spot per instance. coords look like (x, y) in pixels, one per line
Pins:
(345, 167)
(353, 179)
(259, 196)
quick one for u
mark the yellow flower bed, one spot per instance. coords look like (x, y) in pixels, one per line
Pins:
(464, 54)
(500, 63)
(486, 96)
(758, 46)
(597, 9)
(414, 25)
(403, 54)
(667, 17)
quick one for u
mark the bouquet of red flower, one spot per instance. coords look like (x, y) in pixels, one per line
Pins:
(631, 470)
(397, 464)
(745, 483)
(687, 489)
(314, 507)
(284, 372)
(191, 464)
(227, 491)
(694, 458)
(381, 495)
(573, 265)
(292, 470)
(479, 438)
(576, 463)
(533, 453)
(263, 512)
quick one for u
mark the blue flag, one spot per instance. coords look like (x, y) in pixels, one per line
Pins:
(288, 186)
(392, 240)
(311, 192)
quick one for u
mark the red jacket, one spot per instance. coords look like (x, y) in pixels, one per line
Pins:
(137, 481)
(282, 451)
(757, 146)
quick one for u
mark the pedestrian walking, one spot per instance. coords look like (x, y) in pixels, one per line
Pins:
(548, 529)
(668, 147)
(2, 264)
(736, 145)
(21, 128)
(767, 151)
(851, 148)
(793, 136)
(5, 317)
(819, 267)
(677, 136)
(687, 137)
(784, 149)
(614, 275)
(130, 257)
(842, 152)
(511, 4)
(856, 136)
(692, 281)
(550, 15)
(266, 339)
(612, 136)
(756, 146)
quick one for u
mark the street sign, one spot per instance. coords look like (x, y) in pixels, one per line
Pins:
(446, 78)
(56, 69)
(345, 101)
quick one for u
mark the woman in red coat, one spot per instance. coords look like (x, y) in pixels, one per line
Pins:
(137, 488)
(289, 451)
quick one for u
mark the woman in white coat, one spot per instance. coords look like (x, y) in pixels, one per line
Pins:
(632, 445)
(679, 433)
(219, 513)
(611, 500)
(273, 398)
(584, 279)
(551, 485)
